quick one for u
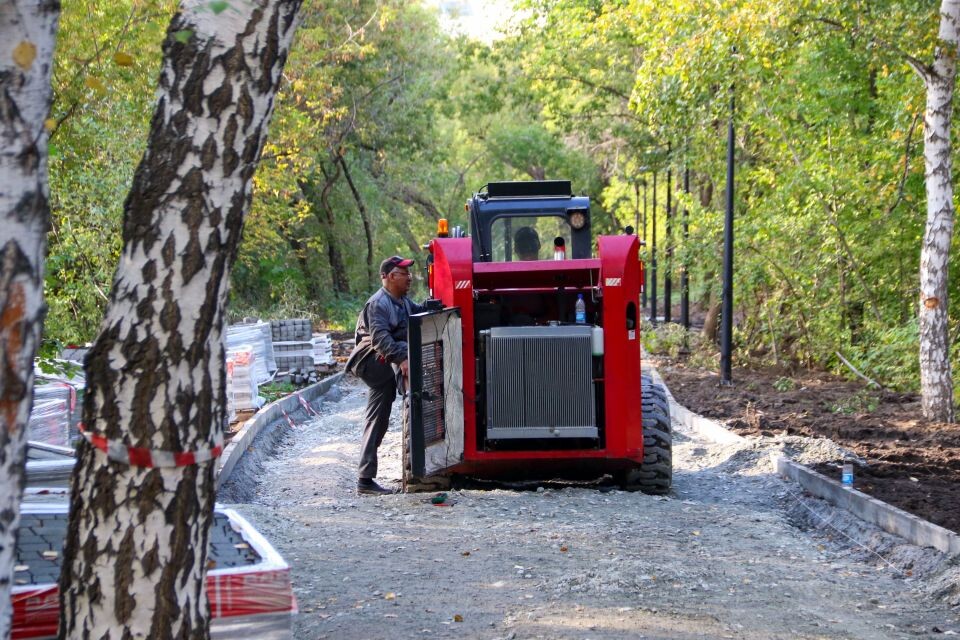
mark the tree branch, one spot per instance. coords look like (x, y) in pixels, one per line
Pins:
(593, 85)
(906, 165)
(364, 216)
(923, 70)
(416, 200)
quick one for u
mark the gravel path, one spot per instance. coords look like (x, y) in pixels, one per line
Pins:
(733, 552)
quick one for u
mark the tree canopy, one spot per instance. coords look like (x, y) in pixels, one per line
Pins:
(385, 123)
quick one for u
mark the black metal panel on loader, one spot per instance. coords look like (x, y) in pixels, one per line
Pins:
(435, 416)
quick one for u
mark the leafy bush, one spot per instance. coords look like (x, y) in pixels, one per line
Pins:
(861, 402)
(276, 390)
(783, 383)
(336, 314)
(888, 354)
(673, 341)
(667, 339)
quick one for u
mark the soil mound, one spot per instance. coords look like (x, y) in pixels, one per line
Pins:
(900, 458)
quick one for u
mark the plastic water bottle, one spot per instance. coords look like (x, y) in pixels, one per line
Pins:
(581, 309)
(846, 476)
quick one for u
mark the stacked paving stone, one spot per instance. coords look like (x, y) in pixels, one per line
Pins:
(294, 355)
(40, 545)
(322, 349)
(292, 346)
(295, 330)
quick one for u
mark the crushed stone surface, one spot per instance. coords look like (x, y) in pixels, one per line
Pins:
(732, 552)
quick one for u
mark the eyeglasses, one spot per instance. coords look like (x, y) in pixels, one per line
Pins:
(401, 272)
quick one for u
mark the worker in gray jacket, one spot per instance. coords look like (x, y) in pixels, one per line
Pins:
(380, 360)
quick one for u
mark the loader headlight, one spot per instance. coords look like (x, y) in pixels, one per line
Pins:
(578, 219)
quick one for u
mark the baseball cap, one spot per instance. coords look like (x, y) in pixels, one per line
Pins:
(392, 263)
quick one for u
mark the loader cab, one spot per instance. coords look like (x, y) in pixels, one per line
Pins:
(507, 216)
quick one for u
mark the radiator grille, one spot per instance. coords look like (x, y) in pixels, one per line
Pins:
(433, 393)
(539, 383)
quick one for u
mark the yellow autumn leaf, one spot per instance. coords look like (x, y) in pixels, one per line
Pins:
(95, 83)
(50, 124)
(24, 54)
(122, 59)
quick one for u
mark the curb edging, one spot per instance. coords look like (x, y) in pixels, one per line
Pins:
(709, 429)
(891, 519)
(268, 415)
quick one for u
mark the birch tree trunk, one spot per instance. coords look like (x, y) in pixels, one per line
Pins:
(936, 381)
(27, 35)
(136, 551)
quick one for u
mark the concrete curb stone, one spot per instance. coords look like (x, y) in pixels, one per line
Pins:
(915, 530)
(268, 415)
(706, 428)
(889, 518)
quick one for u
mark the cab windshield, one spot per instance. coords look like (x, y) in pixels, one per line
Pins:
(520, 238)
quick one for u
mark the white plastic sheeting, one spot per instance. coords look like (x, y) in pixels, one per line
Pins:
(51, 418)
(241, 378)
(257, 336)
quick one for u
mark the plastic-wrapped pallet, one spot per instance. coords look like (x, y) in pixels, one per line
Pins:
(267, 345)
(231, 404)
(55, 413)
(253, 335)
(50, 422)
(241, 376)
(74, 353)
(322, 349)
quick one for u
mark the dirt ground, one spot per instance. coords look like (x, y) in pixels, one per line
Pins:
(732, 552)
(903, 459)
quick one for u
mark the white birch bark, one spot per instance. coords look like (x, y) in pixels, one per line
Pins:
(136, 551)
(936, 381)
(27, 34)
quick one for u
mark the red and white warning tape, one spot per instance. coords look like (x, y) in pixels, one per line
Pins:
(289, 419)
(306, 405)
(119, 451)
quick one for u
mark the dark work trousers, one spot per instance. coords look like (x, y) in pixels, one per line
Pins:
(375, 422)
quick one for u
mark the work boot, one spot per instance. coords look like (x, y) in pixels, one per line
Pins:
(367, 486)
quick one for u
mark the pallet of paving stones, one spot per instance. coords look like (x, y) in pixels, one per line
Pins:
(293, 330)
(294, 354)
(248, 584)
(322, 349)
(298, 362)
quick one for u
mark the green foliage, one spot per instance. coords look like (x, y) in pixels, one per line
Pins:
(275, 390)
(829, 200)
(860, 402)
(666, 339)
(887, 354)
(783, 383)
(106, 61)
(384, 123)
(49, 362)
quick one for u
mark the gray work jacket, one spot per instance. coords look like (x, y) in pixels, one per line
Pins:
(382, 328)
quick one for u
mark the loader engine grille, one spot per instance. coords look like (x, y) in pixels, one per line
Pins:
(433, 393)
(539, 383)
